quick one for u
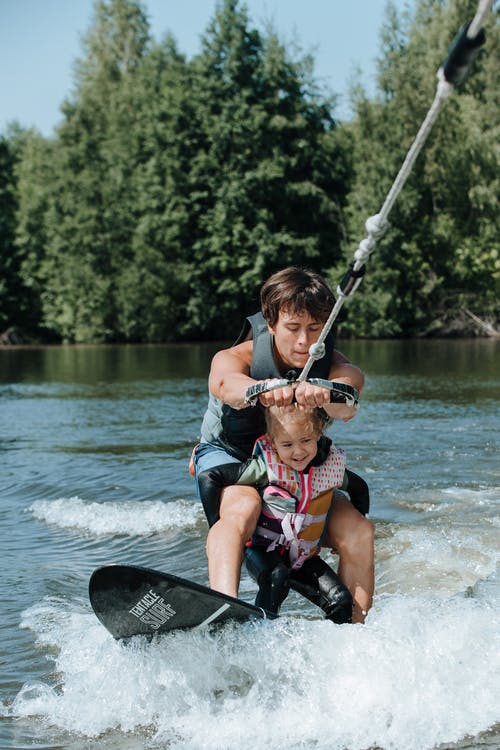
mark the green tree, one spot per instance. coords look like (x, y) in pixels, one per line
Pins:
(29, 181)
(152, 288)
(93, 212)
(9, 264)
(267, 182)
(440, 253)
(171, 188)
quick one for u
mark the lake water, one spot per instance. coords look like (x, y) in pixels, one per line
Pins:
(94, 448)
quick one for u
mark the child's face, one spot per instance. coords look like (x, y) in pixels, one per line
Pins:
(296, 443)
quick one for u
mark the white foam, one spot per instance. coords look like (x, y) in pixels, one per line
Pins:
(138, 518)
(440, 559)
(453, 500)
(421, 672)
(450, 547)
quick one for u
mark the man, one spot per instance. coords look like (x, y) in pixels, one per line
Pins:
(295, 304)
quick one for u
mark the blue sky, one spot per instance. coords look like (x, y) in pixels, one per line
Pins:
(40, 40)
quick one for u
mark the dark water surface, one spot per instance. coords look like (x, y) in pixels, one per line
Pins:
(94, 447)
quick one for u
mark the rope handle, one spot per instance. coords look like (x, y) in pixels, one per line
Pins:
(253, 392)
(340, 393)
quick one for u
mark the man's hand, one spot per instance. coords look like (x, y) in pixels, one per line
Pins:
(307, 394)
(283, 396)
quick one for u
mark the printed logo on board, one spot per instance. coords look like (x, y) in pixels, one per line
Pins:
(153, 610)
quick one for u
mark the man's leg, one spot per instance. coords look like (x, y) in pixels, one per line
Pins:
(232, 512)
(239, 511)
(352, 536)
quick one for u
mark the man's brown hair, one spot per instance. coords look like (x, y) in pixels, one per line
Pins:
(296, 290)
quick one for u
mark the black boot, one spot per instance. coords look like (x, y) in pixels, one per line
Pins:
(272, 575)
(321, 585)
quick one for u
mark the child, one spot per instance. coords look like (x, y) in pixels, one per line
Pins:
(297, 469)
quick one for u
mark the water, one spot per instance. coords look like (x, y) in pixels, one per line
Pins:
(94, 446)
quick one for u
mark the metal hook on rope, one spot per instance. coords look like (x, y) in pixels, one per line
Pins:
(462, 53)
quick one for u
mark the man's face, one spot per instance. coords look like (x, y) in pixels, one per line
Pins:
(293, 335)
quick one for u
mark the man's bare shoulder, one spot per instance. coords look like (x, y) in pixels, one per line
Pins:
(239, 356)
(230, 374)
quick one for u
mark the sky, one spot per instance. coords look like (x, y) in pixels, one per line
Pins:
(41, 39)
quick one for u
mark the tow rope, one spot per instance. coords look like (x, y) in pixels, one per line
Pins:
(461, 55)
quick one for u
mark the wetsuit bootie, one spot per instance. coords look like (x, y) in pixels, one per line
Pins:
(274, 586)
(272, 576)
(321, 585)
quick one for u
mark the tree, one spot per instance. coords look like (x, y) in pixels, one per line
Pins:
(29, 170)
(171, 188)
(93, 212)
(440, 252)
(267, 180)
(152, 288)
(9, 263)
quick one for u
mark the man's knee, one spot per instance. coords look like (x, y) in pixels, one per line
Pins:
(361, 539)
(240, 507)
(355, 537)
(211, 487)
(364, 531)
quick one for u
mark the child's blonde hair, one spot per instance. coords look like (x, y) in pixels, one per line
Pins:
(312, 419)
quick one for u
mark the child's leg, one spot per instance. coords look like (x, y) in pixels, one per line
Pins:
(272, 575)
(321, 585)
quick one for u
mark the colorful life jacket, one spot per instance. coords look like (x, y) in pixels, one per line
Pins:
(295, 504)
(236, 430)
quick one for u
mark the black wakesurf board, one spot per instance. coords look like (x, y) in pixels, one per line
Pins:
(131, 600)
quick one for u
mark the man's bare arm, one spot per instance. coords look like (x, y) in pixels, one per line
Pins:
(342, 371)
(230, 374)
(230, 377)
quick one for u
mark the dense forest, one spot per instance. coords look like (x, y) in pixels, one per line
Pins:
(173, 187)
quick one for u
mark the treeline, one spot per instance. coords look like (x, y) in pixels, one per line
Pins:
(172, 187)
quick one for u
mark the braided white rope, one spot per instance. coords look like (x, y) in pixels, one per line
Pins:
(477, 23)
(376, 225)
